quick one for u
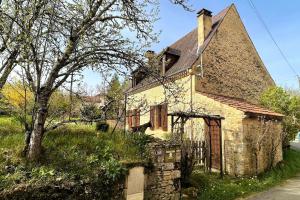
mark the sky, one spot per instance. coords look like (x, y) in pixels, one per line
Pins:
(282, 19)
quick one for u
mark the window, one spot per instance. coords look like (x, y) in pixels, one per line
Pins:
(133, 118)
(159, 117)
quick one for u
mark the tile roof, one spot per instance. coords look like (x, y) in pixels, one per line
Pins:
(242, 105)
(188, 47)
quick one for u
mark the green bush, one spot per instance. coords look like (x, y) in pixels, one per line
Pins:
(211, 186)
(102, 126)
(280, 100)
(140, 140)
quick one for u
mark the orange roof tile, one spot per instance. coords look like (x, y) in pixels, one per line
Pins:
(242, 105)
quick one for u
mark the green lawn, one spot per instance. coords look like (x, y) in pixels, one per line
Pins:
(75, 153)
(211, 187)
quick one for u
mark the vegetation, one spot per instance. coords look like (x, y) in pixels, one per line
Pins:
(19, 101)
(116, 98)
(102, 126)
(284, 102)
(212, 187)
(53, 41)
(73, 154)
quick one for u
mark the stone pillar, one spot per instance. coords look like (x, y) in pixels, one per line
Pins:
(163, 178)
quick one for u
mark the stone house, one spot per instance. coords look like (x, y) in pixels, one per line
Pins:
(218, 72)
(96, 100)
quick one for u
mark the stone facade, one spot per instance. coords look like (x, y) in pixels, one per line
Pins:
(231, 64)
(264, 138)
(231, 67)
(232, 132)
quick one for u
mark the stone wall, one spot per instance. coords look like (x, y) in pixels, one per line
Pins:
(160, 178)
(114, 123)
(231, 64)
(264, 138)
(163, 180)
(232, 132)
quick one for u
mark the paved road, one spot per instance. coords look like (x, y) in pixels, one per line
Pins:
(295, 145)
(289, 190)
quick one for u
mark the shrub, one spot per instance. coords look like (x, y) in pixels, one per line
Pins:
(102, 126)
(140, 140)
(211, 186)
(279, 100)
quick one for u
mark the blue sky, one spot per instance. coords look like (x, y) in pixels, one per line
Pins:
(281, 17)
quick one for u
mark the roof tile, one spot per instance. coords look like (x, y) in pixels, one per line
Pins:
(242, 105)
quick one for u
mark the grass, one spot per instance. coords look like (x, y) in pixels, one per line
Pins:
(211, 187)
(71, 153)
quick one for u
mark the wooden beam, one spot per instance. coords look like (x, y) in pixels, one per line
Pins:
(172, 124)
(221, 148)
(210, 149)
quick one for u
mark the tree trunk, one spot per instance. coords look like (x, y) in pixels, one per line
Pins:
(8, 67)
(35, 145)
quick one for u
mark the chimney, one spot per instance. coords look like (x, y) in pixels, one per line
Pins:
(149, 54)
(204, 25)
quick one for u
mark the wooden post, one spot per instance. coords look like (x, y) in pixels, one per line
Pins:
(125, 107)
(210, 151)
(172, 124)
(221, 149)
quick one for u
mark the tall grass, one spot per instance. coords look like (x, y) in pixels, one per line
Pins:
(73, 152)
(211, 187)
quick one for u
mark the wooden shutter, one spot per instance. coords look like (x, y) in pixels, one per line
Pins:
(164, 117)
(130, 119)
(137, 118)
(127, 117)
(152, 117)
(133, 118)
(157, 123)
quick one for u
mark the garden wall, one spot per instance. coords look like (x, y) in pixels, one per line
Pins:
(160, 179)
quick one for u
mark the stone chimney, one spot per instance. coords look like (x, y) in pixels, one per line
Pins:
(149, 54)
(204, 25)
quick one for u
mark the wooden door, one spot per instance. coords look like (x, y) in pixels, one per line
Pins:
(214, 143)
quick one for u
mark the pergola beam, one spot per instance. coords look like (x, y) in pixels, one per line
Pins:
(195, 115)
(184, 116)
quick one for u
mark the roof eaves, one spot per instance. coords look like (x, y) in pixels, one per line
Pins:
(242, 105)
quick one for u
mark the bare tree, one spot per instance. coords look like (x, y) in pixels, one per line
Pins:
(17, 18)
(72, 35)
(265, 143)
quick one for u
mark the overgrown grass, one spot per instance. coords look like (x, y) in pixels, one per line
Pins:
(212, 187)
(71, 153)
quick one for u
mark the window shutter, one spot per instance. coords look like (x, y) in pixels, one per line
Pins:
(127, 117)
(133, 117)
(152, 117)
(137, 119)
(164, 117)
(157, 117)
(130, 119)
